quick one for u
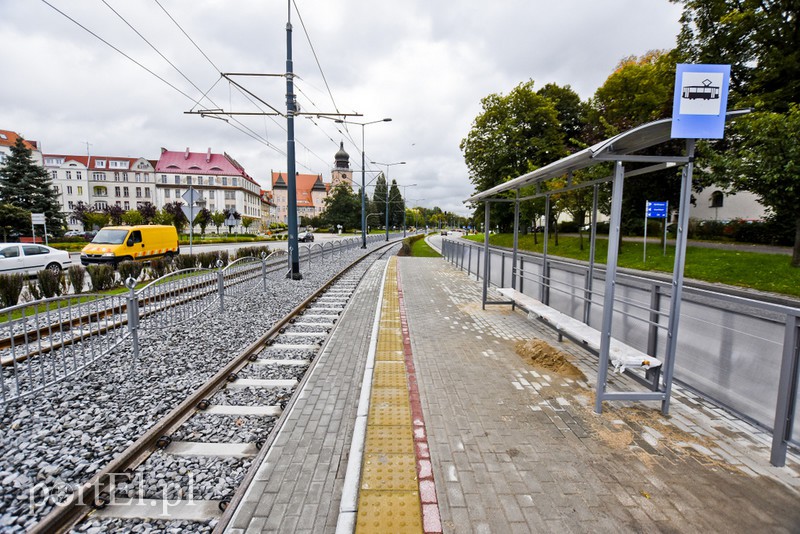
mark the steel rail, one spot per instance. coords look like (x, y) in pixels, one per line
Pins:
(81, 503)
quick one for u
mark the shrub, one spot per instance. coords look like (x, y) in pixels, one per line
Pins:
(77, 277)
(131, 269)
(185, 261)
(159, 267)
(49, 283)
(207, 260)
(568, 227)
(251, 251)
(408, 243)
(102, 277)
(10, 288)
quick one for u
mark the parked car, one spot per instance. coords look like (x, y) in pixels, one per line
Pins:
(31, 258)
(73, 233)
(306, 237)
(443, 232)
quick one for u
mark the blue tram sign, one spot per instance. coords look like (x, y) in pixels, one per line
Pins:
(700, 101)
(656, 209)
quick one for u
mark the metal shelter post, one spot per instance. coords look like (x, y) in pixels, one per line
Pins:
(677, 275)
(787, 392)
(611, 280)
(590, 274)
(544, 282)
(485, 253)
(291, 178)
(516, 243)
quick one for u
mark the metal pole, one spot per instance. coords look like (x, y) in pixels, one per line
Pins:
(666, 215)
(592, 244)
(387, 203)
(191, 218)
(485, 254)
(516, 243)
(291, 179)
(677, 275)
(787, 392)
(611, 276)
(363, 193)
(543, 287)
(644, 254)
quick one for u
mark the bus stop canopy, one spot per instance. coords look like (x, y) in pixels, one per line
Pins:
(621, 149)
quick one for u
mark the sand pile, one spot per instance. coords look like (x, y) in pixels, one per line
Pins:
(540, 354)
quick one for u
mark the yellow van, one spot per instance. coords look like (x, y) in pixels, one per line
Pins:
(115, 244)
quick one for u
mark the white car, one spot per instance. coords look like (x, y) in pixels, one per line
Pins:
(30, 259)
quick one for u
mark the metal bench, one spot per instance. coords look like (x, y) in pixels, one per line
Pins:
(622, 356)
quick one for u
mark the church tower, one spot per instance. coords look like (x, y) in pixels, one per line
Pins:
(341, 172)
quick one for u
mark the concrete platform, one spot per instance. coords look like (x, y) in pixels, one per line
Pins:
(514, 448)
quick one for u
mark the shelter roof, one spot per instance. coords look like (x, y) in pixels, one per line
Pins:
(624, 144)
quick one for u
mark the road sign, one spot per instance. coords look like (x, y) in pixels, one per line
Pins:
(656, 210)
(37, 218)
(191, 196)
(700, 101)
(190, 212)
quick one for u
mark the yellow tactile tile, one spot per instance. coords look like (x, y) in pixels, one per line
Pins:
(395, 396)
(389, 511)
(390, 355)
(389, 414)
(389, 439)
(384, 471)
(389, 380)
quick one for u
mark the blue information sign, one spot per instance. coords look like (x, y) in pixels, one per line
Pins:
(656, 210)
(700, 101)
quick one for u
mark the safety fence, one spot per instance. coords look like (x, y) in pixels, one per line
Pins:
(739, 351)
(47, 341)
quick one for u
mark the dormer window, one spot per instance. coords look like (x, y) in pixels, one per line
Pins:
(100, 163)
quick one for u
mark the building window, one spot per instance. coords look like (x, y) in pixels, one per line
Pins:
(230, 195)
(138, 192)
(55, 188)
(146, 192)
(166, 193)
(124, 176)
(71, 205)
(716, 199)
(163, 178)
(234, 182)
(177, 179)
(127, 205)
(199, 180)
(99, 176)
(126, 191)
(69, 175)
(101, 163)
(224, 180)
(116, 191)
(210, 180)
(100, 192)
(189, 180)
(101, 205)
(53, 174)
(78, 175)
(69, 189)
(177, 193)
(138, 177)
(118, 203)
(80, 190)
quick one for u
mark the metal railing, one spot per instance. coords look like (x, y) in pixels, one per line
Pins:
(739, 351)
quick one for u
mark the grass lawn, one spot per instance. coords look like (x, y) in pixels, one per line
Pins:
(765, 272)
(420, 249)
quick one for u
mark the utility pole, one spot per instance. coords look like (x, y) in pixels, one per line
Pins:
(291, 179)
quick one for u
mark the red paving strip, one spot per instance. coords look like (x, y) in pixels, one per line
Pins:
(431, 518)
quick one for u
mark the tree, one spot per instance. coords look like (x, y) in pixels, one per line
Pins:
(231, 212)
(218, 219)
(96, 219)
(174, 209)
(514, 134)
(765, 158)
(379, 198)
(246, 223)
(760, 40)
(114, 213)
(148, 211)
(396, 205)
(81, 212)
(203, 219)
(26, 185)
(342, 207)
(132, 218)
(12, 219)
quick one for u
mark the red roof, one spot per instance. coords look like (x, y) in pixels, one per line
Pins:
(9, 138)
(200, 163)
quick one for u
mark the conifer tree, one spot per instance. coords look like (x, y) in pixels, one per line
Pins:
(26, 185)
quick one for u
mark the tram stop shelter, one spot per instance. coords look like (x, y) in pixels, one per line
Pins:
(624, 151)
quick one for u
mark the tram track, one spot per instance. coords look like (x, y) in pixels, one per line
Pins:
(271, 369)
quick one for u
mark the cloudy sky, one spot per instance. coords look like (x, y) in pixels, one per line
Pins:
(425, 64)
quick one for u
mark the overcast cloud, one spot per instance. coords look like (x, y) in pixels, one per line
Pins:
(423, 63)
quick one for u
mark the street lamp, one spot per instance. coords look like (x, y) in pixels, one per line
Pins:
(404, 206)
(363, 177)
(387, 165)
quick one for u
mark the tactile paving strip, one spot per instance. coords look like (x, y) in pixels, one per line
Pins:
(389, 511)
(389, 439)
(383, 471)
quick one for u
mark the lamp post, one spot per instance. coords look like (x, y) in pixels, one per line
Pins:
(363, 177)
(387, 165)
(404, 206)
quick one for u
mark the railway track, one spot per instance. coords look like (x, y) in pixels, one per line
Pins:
(187, 467)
